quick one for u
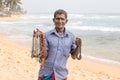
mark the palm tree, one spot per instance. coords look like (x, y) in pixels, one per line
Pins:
(12, 4)
(1, 5)
(9, 7)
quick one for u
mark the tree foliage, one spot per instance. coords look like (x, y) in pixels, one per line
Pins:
(9, 7)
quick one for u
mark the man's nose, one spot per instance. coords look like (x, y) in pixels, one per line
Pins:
(60, 20)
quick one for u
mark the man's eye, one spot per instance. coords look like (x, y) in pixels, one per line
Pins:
(59, 18)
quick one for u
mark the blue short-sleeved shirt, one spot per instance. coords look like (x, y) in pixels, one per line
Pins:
(59, 48)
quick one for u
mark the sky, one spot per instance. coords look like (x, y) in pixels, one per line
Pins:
(72, 6)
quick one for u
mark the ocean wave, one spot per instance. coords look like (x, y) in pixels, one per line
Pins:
(114, 17)
(20, 22)
(76, 15)
(95, 28)
(103, 60)
(97, 16)
(40, 16)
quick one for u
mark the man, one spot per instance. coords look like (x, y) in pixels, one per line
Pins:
(59, 44)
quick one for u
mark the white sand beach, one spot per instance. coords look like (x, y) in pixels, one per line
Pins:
(11, 18)
(16, 64)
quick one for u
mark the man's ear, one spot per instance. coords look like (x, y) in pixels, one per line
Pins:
(66, 20)
(53, 19)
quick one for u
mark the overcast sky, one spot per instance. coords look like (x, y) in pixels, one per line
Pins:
(72, 6)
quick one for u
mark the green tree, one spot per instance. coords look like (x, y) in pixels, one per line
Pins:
(12, 4)
(1, 5)
(8, 7)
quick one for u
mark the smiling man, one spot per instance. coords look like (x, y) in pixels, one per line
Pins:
(59, 44)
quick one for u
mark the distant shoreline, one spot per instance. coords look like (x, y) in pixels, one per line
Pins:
(12, 17)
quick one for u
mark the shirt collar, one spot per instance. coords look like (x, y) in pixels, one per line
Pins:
(55, 32)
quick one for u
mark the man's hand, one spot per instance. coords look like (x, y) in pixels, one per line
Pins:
(77, 42)
(37, 32)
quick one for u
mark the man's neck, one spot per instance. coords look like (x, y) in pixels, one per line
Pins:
(60, 31)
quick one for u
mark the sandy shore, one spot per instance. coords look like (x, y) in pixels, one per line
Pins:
(16, 64)
(11, 18)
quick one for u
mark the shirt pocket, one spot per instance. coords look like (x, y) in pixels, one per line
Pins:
(52, 43)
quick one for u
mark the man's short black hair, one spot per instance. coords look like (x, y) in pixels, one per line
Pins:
(60, 11)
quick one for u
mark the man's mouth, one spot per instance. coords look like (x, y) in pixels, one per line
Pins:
(59, 24)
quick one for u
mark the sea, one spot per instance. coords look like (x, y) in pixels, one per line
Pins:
(100, 33)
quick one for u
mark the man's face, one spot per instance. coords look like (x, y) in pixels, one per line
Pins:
(60, 20)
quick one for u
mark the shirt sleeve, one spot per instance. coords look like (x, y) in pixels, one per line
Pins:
(73, 46)
(46, 42)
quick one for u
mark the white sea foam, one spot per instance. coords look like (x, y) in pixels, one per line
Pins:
(103, 60)
(75, 15)
(40, 16)
(95, 28)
